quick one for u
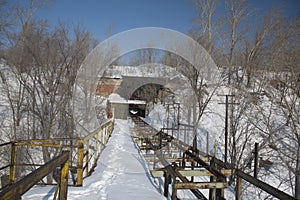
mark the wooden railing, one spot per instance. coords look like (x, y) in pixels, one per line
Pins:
(84, 153)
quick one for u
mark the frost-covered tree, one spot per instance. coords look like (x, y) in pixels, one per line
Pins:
(283, 93)
(43, 66)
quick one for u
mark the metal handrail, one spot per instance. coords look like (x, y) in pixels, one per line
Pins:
(16, 190)
(86, 151)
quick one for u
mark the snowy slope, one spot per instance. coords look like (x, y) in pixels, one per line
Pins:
(121, 173)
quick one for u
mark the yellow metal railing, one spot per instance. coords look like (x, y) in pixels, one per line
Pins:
(16, 190)
(84, 153)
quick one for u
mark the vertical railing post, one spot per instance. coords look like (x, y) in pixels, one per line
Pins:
(111, 127)
(63, 185)
(167, 178)
(104, 133)
(183, 160)
(174, 189)
(106, 130)
(101, 141)
(80, 163)
(160, 140)
(212, 191)
(96, 149)
(226, 129)
(255, 160)
(13, 160)
(87, 155)
(238, 188)
(207, 143)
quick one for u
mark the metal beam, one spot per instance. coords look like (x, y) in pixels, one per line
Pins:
(264, 186)
(201, 172)
(171, 159)
(17, 189)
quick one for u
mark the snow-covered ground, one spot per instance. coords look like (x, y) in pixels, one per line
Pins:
(121, 173)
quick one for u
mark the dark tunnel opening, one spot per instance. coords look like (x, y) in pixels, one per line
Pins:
(145, 97)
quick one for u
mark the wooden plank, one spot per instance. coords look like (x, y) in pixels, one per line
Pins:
(203, 172)
(201, 185)
(157, 173)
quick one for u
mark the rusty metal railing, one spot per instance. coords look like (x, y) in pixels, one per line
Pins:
(16, 190)
(84, 153)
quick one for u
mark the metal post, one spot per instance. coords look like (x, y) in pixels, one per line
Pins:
(100, 142)
(178, 116)
(173, 131)
(185, 136)
(104, 132)
(96, 149)
(87, 155)
(167, 178)
(183, 160)
(207, 143)
(227, 123)
(255, 160)
(212, 191)
(80, 163)
(174, 190)
(215, 149)
(63, 190)
(160, 140)
(226, 128)
(168, 117)
(238, 188)
(192, 168)
(13, 160)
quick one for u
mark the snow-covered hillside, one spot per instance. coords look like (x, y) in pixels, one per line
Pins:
(122, 170)
(149, 70)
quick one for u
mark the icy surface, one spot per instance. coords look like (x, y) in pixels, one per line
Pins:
(121, 173)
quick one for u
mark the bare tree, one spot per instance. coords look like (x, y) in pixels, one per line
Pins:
(45, 65)
(4, 21)
(233, 31)
(276, 117)
(252, 57)
(205, 10)
(285, 66)
(19, 59)
(144, 56)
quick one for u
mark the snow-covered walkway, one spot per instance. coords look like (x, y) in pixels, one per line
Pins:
(121, 173)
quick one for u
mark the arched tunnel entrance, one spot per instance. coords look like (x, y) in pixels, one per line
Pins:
(135, 95)
(151, 94)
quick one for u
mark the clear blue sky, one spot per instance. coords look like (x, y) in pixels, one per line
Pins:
(97, 16)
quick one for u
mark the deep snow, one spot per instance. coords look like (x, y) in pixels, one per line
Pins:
(121, 173)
